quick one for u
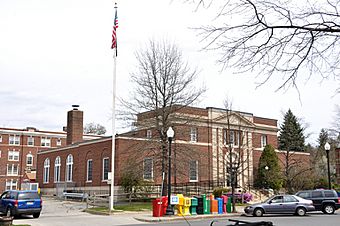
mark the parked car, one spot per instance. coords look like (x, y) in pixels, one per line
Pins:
(14, 203)
(287, 204)
(326, 201)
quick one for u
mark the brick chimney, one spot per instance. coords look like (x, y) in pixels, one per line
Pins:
(74, 125)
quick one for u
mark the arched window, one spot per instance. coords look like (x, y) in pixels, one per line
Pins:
(46, 170)
(69, 168)
(57, 165)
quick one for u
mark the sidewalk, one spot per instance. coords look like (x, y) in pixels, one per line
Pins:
(147, 216)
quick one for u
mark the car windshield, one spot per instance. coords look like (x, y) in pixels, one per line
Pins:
(28, 195)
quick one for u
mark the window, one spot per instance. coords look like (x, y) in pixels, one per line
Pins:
(0, 153)
(289, 198)
(46, 174)
(28, 196)
(69, 168)
(13, 155)
(106, 168)
(148, 169)
(233, 137)
(12, 170)
(89, 170)
(149, 134)
(0, 139)
(263, 141)
(316, 194)
(193, 134)
(29, 160)
(232, 169)
(57, 165)
(304, 195)
(329, 194)
(45, 141)
(277, 199)
(193, 171)
(11, 185)
(30, 141)
(14, 139)
(59, 142)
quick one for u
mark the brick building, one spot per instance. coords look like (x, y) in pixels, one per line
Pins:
(18, 154)
(205, 140)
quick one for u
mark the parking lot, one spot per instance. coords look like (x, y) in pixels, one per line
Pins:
(60, 213)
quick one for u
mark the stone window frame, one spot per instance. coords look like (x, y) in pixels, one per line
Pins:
(46, 173)
(193, 171)
(88, 172)
(147, 171)
(69, 168)
(57, 169)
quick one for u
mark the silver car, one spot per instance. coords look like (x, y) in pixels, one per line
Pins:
(291, 204)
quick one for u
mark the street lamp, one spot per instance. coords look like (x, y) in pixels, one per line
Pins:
(327, 148)
(170, 133)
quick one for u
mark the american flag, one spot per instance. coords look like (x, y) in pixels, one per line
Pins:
(114, 35)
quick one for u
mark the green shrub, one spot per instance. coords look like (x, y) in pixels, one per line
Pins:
(219, 191)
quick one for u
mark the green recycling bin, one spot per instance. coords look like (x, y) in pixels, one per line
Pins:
(229, 204)
(194, 204)
(208, 206)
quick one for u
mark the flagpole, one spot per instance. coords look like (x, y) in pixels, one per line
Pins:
(113, 122)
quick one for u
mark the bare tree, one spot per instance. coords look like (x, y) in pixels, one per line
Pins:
(276, 37)
(93, 128)
(335, 128)
(237, 153)
(163, 85)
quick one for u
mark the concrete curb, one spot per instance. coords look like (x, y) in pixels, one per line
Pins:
(150, 218)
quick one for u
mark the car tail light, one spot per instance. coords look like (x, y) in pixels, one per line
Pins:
(339, 200)
(16, 203)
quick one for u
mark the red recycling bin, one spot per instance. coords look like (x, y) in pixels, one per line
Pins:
(159, 206)
(225, 201)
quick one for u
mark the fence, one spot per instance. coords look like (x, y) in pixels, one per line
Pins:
(145, 193)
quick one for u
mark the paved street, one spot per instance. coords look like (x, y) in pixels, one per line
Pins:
(314, 219)
(60, 213)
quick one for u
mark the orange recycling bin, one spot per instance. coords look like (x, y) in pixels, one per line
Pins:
(214, 206)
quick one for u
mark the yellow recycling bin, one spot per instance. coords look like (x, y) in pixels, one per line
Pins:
(180, 205)
(187, 204)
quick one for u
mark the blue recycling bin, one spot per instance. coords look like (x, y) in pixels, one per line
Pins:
(220, 205)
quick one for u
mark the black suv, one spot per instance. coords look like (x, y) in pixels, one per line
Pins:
(326, 201)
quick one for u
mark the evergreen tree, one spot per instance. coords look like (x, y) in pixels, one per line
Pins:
(291, 136)
(291, 139)
(269, 175)
(323, 138)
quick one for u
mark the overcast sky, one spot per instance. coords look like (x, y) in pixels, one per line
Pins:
(55, 53)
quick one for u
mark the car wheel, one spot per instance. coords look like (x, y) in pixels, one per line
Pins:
(301, 211)
(8, 212)
(328, 209)
(258, 212)
(36, 215)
